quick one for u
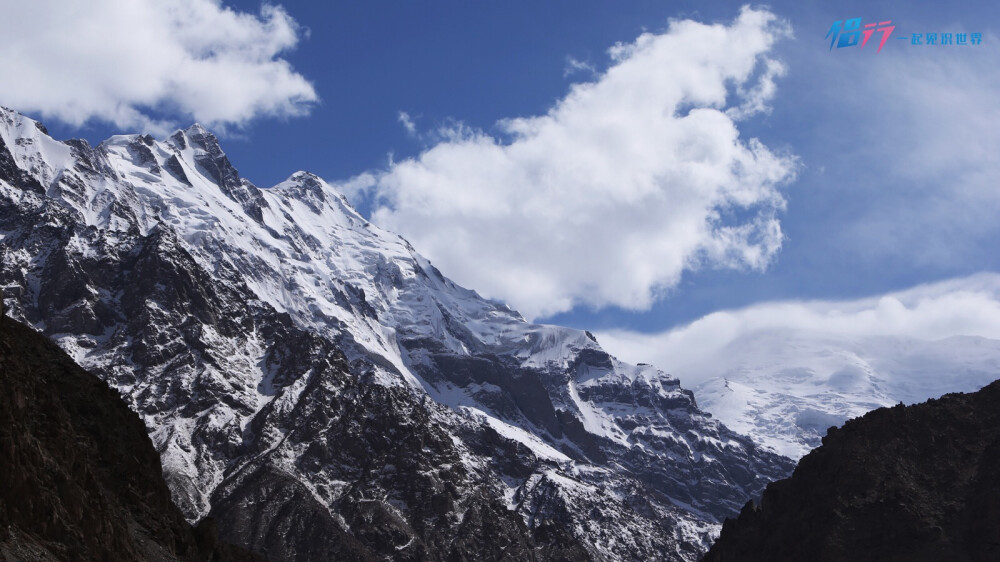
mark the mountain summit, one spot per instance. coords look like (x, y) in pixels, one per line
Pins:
(323, 391)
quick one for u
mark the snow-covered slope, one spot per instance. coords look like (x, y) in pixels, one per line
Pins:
(784, 388)
(324, 391)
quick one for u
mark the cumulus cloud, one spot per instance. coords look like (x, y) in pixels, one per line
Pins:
(967, 306)
(126, 62)
(624, 184)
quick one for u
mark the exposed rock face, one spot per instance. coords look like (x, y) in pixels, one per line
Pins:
(904, 483)
(81, 479)
(323, 391)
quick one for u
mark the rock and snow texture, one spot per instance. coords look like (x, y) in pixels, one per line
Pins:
(324, 392)
(785, 388)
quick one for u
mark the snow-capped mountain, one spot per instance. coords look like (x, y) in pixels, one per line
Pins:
(324, 392)
(785, 388)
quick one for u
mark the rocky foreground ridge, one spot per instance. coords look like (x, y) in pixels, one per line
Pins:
(909, 483)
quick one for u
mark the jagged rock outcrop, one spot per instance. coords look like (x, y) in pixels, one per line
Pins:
(81, 479)
(908, 483)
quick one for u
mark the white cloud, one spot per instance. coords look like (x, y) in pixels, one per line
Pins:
(695, 353)
(407, 122)
(757, 97)
(623, 185)
(574, 65)
(117, 61)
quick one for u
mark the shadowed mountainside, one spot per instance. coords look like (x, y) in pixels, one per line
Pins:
(81, 479)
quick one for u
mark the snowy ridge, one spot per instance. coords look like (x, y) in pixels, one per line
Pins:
(219, 310)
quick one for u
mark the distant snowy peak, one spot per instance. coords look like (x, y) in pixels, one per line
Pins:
(786, 388)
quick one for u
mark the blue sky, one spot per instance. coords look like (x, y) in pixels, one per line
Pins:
(895, 176)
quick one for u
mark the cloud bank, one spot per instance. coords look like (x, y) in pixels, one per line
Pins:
(961, 307)
(627, 182)
(124, 62)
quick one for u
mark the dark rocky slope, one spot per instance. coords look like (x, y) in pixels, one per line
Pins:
(904, 483)
(80, 477)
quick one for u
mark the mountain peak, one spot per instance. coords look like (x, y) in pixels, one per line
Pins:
(10, 115)
(303, 175)
(197, 129)
(16, 120)
(310, 183)
(198, 137)
(316, 192)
